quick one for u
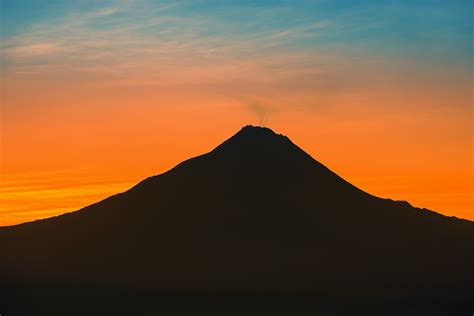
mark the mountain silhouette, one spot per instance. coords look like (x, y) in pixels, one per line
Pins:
(256, 224)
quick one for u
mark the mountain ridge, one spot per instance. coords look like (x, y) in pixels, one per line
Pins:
(263, 134)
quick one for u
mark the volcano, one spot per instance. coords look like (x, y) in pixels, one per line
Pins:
(256, 224)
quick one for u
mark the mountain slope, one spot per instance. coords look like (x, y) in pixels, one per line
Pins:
(255, 214)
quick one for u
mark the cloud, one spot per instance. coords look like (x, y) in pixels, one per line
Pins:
(35, 49)
(143, 44)
(144, 31)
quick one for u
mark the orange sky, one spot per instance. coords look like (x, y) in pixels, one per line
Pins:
(82, 122)
(59, 159)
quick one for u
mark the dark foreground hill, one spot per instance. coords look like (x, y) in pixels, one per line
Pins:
(255, 225)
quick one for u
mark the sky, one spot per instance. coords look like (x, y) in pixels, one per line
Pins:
(98, 95)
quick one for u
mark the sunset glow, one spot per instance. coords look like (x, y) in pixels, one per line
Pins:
(96, 97)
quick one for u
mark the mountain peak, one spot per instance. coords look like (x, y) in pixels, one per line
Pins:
(255, 139)
(254, 130)
(259, 132)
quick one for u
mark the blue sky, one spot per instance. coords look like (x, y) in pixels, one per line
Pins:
(436, 29)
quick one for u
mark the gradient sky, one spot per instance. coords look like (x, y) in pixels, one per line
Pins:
(97, 95)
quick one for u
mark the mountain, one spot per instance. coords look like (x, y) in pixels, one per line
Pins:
(254, 225)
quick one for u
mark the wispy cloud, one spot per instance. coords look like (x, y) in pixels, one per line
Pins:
(34, 49)
(119, 34)
(142, 43)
